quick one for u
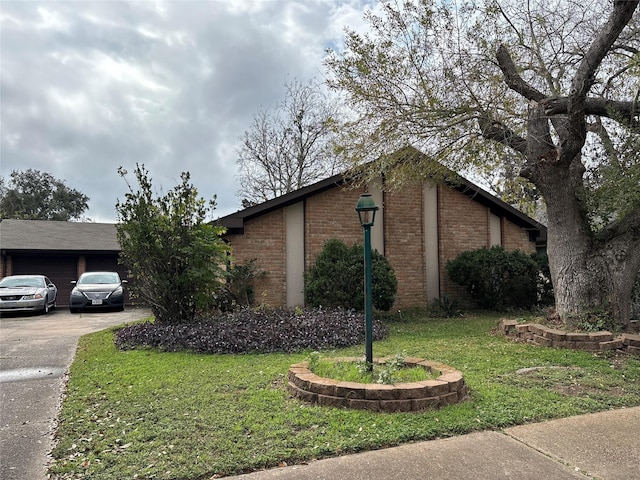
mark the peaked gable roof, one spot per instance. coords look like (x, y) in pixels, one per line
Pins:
(50, 235)
(235, 222)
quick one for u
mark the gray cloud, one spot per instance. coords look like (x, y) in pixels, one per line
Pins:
(88, 86)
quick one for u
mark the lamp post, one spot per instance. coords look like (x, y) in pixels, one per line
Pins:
(366, 209)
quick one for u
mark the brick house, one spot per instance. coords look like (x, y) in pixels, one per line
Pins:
(418, 229)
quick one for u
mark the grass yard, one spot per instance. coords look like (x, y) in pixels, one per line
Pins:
(147, 414)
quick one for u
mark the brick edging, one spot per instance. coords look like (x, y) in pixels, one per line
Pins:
(447, 389)
(537, 334)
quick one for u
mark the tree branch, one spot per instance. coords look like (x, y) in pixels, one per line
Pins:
(628, 225)
(498, 132)
(585, 74)
(602, 107)
(513, 79)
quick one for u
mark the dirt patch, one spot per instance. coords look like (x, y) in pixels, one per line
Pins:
(566, 380)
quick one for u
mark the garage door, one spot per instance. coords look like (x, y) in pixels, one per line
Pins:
(105, 263)
(61, 269)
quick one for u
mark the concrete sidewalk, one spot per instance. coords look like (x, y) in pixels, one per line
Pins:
(603, 445)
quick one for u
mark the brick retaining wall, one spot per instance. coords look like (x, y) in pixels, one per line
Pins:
(447, 389)
(549, 337)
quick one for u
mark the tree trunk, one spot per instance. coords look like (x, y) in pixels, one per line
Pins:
(592, 274)
(592, 281)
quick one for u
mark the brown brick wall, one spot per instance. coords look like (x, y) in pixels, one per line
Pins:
(515, 238)
(264, 240)
(331, 214)
(463, 224)
(404, 243)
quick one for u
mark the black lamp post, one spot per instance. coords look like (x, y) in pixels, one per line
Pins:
(366, 209)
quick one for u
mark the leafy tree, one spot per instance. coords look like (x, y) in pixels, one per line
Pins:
(174, 255)
(547, 89)
(35, 195)
(337, 278)
(289, 147)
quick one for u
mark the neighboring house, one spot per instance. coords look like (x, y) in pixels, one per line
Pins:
(418, 229)
(60, 250)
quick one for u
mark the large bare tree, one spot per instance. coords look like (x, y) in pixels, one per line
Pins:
(548, 89)
(288, 147)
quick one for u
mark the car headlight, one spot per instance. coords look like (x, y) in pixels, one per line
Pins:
(117, 291)
(35, 296)
(76, 293)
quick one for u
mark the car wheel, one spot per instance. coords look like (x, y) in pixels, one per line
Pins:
(74, 310)
(45, 309)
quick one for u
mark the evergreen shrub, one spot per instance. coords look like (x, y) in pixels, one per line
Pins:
(337, 278)
(497, 279)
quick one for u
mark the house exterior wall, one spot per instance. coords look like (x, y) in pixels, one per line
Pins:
(463, 224)
(431, 244)
(404, 243)
(331, 214)
(294, 224)
(420, 227)
(515, 238)
(264, 240)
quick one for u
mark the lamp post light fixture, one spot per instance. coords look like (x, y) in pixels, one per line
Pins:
(366, 209)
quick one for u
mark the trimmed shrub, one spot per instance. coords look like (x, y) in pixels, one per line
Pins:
(497, 279)
(337, 278)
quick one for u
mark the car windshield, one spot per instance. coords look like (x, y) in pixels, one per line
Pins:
(9, 282)
(95, 278)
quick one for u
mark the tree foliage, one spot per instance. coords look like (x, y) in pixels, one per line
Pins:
(443, 79)
(545, 92)
(288, 147)
(337, 278)
(175, 257)
(35, 195)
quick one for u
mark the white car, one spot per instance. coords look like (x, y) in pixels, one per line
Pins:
(27, 293)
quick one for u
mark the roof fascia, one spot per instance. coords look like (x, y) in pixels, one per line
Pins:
(235, 222)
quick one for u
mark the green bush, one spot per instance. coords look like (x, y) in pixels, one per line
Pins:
(337, 278)
(497, 279)
(174, 254)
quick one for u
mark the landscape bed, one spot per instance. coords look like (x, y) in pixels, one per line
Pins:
(177, 415)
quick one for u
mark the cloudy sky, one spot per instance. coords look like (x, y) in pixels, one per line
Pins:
(87, 86)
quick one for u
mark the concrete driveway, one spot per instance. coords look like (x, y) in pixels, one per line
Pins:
(35, 353)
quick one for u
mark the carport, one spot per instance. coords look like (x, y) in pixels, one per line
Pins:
(59, 250)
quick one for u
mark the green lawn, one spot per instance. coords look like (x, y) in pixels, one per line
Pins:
(186, 416)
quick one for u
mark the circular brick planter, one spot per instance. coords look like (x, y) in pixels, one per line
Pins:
(447, 389)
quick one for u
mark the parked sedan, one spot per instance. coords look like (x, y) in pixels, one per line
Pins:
(27, 293)
(97, 290)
